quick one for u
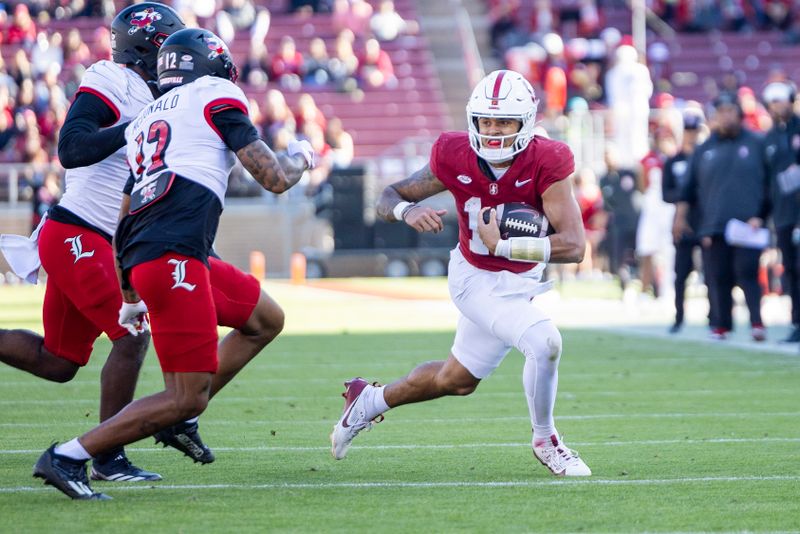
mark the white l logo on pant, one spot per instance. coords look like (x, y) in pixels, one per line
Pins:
(179, 275)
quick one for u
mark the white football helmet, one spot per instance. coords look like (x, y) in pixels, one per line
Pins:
(506, 94)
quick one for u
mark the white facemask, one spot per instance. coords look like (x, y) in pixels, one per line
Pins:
(496, 155)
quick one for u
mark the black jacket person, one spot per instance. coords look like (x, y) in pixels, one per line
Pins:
(673, 184)
(782, 145)
(728, 179)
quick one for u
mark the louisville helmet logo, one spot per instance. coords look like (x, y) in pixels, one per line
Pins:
(215, 45)
(143, 20)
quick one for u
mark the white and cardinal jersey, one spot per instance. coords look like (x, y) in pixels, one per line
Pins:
(175, 134)
(542, 163)
(94, 193)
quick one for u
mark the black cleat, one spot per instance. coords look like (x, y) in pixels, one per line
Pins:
(185, 437)
(675, 328)
(120, 469)
(66, 475)
(794, 336)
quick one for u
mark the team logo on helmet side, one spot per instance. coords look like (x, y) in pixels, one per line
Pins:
(215, 45)
(143, 20)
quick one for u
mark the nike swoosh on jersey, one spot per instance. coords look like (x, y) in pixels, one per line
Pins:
(523, 182)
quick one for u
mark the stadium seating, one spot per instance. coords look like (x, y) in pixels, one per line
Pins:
(698, 59)
(415, 107)
(378, 118)
(753, 56)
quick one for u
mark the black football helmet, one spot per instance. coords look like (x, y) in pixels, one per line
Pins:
(190, 54)
(138, 31)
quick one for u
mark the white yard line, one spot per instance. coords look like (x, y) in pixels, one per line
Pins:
(431, 485)
(636, 443)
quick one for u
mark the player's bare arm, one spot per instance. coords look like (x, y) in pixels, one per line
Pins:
(125, 207)
(275, 172)
(132, 314)
(568, 243)
(128, 295)
(404, 195)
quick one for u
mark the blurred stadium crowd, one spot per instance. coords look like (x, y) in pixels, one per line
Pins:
(47, 45)
(576, 54)
(579, 63)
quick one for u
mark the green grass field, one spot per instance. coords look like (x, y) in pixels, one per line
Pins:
(681, 436)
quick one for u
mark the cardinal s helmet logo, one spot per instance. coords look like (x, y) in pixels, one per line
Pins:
(179, 275)
(76, 248)
(143, 20)
(216, 46)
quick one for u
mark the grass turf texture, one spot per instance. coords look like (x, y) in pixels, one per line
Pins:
(681, 437)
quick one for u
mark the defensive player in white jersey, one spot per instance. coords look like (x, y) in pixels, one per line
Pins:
(180, 149)
(96, 158)
(492, 281)
(82, 298)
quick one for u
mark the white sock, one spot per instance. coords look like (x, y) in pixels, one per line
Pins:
(541, 345)
(72, 449)
(542, 434)
(376, 405)
(192, 420)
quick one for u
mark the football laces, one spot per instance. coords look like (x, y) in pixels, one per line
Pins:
(522, 226)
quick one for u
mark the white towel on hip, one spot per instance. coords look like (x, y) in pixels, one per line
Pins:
(22, 253)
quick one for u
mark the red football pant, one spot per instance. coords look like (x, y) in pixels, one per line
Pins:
(82, 298)
(235, 293)
(183, 320)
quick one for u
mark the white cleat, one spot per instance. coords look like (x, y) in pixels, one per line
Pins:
(561, 460)
(354, 417)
